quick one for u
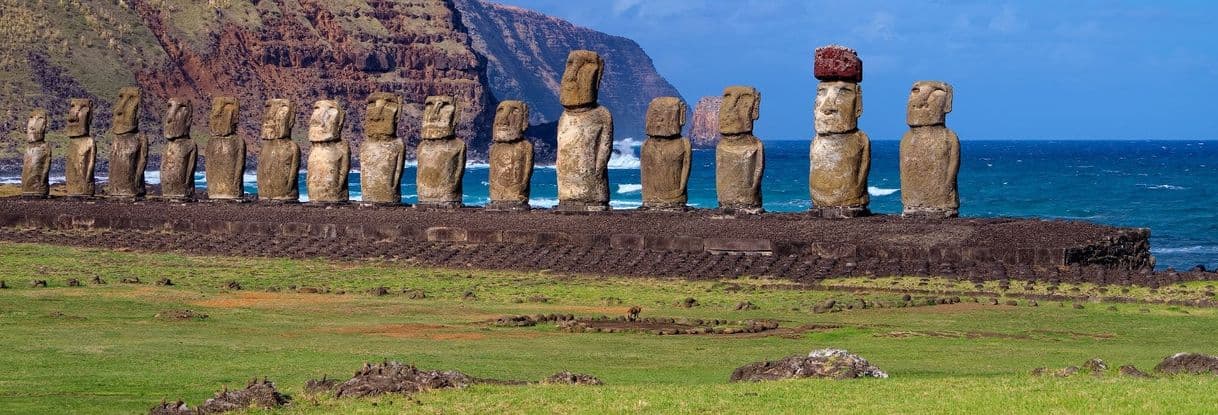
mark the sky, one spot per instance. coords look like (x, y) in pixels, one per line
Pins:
(1065, 69)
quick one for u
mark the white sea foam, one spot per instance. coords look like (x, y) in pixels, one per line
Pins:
(879, 191)
(543, 203)
(1162, 186)
(1196, 249)
(629, 188)
(623, 154)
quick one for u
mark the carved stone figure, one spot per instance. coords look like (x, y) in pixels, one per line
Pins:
(329, 155)
(279, 158)
(511, 158)
(82, 150)
(585, 136)
(36, 164)
(225, 152)
(128, 147)
(440, 154)
(739, 156)
(841, 153)
(181, 153)
(382, 154)
(930, 153)
(665, 156)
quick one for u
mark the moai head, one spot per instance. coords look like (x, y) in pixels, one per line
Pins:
(36, 127)
(80, 116)
(222, 121)
(439, 117)
(665, 117)
(326, 123)
(278, 118)
(381, 116)
(839, 99)
(511, 119)
(177, 118)
(741, 106)
(929, 103)
(126, 111)
(581, 79)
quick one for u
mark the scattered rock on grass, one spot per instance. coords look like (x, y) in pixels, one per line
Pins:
(233, 285)
(469, 295)
(569, 378)
(379, 291)
(180, 315)
(746, 305)
(824, 363)
(97, 280)
(689, 302)
(130, 280)
(73, 282)
(414, 294)
(171, 408)
(1095, 366)
(1188, 363)
(38, 284)
(164, 282)
(317, 386)
(3, 285)
(257, 394)
(395, 377)
(1131, 371)
(515, 321)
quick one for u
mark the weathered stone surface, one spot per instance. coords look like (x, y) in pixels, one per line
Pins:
(834, 364)
(257, 394)
(568, 378)
(81, 154)
(440, 154)
(383, 154)
(511, 158)
(1188, 363)
(128, 147)
(36, 163)
(181, 153)
(329, 156)
(704, 127)
(930, 153)
(739, 156)
(840, 154)
(585, 136)
(395, 377)
(665, 156)
(225, 151)
(279, 160)
(838, 63)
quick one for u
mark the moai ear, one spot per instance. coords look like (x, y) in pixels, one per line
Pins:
(755, 113)
(858, 101)
(683, 113)
(600, 72)
(524, 114)
(947, 102)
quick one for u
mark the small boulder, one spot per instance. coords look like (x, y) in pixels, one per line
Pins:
(257, 394)
(165, 282)
(1188, 363)
(379, 291)
(689, 302)
(318, 386)
(233, 285)
(38, 284)
(569, 378)
(73, 282)
(746, 305)
(1095, 366)
(823, 363)
(171, 408)
(395, 377)
(3, 286)
(130, 280)
(1131, 371)
(97, 280)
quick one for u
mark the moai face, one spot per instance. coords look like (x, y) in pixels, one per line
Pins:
(838, 107)
(222, 121)
(36, 127)
(741, 106)
(511, 119)
(126, 111)
(439, 117)
(665, 117)
(178, 117)
(581, 79)
(278, 118)
(929, 103)
(381, 116)
(326, 123)
(80, 116)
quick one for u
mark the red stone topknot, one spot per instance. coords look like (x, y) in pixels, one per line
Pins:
(838, 63)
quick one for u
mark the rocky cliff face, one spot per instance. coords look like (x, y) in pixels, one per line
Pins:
(304, 50)
(704, 128)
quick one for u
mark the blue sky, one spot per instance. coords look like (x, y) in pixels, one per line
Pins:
(1021, 70)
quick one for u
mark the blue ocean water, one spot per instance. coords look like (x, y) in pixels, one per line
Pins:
(1170, 187)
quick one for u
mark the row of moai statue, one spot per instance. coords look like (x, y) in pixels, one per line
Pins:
(840, 153)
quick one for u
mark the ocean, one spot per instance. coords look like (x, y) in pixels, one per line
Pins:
(1170, 187)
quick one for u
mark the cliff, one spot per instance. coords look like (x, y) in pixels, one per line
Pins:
(704, 128)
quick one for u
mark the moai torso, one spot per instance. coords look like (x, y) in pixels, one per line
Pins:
(36, 163)
(440, 154)
(838, 176)
(81, 152)
(181, 153)
(329, 155)
(128, 147)
(511, 158)
(382, 154)
(930, 154)
(739, 156)
(840, 155)
(225, 152)
(279, 156)
(585, 136)
(665, 156)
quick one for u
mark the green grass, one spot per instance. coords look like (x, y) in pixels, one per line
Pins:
(108, 354)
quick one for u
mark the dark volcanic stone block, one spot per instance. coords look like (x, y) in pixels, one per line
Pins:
(738, 245)
(446, 234)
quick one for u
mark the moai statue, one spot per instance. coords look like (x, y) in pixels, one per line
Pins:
(279, 158)
(739, 156)
(930, 154)
(585, 136)
(329, 155)
(665, 156)
(128, 147)
(181, 153)
(225, 152)
(511, 158)
(841, 153)
(36, 165)
(441, 155)
(82, 150)
(382, 154)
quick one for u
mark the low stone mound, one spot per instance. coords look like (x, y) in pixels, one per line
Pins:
(171, 408)
(180, 315)
(569, 378)
(664, 326)
(317, 386)
(1188, 363)
(395, 377)
(834, 364)
(257, 394)
(1095, 367)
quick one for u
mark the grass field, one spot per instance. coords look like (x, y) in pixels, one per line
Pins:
(99, 348)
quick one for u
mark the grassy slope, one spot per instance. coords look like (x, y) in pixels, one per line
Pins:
(109, 355)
